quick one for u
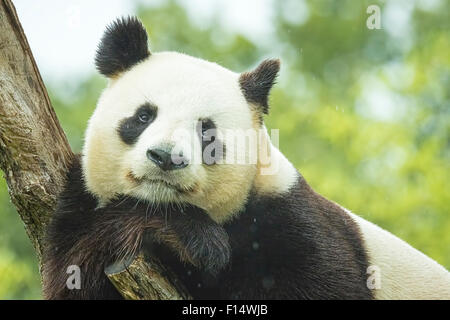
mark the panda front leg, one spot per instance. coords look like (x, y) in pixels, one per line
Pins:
(87, 243)
(88, 246)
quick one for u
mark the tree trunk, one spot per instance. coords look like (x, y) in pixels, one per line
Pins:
(35, 154)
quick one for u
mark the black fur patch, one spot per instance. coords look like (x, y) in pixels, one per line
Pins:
(256, 84)
(293, 246)
(213, 149)
(131, 128)
(123, 45)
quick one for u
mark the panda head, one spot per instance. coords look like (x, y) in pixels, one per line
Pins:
(159, 114)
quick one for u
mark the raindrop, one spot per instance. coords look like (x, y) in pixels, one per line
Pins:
(268, 282)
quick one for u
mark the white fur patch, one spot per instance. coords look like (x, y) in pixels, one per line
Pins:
(277, 175)
(405, 272)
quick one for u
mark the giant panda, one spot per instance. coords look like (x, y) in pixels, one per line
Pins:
(227, 230)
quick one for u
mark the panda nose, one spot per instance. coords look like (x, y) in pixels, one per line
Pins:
(163, 159)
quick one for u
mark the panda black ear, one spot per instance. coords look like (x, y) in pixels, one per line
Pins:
(123, 45)
(256, 84)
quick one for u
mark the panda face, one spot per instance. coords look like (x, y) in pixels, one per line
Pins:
(154, 109)
(157, 131)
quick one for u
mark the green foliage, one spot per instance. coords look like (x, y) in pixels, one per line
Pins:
(19, 271)
(363, 114)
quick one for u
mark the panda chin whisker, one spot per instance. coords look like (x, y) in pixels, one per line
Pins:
(164, 186)
(159, 182)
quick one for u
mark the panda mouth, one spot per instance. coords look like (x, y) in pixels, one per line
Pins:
(166, 184)
(156, 181)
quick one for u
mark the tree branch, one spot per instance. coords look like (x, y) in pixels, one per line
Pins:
(35, 154)
(145, 278)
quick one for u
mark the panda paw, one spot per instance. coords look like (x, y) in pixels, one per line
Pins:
(196, 238)
(211, 252)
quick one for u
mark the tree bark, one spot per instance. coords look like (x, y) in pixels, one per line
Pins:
(144, 278)
(35, 154)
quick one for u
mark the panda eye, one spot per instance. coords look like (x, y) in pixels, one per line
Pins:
(144, 117)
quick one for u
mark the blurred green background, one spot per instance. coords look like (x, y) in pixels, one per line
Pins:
(363, 114)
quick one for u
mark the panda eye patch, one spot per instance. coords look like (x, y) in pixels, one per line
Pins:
(131, 128)
(206, 125)
(213, 149)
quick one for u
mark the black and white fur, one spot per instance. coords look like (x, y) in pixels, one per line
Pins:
(227, 230)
